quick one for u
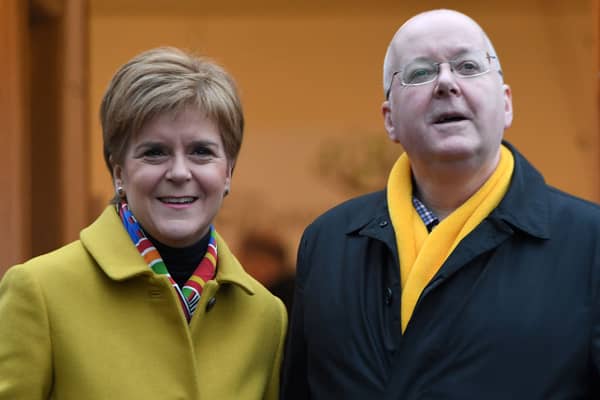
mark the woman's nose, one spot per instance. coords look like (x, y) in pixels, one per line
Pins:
(179, 169)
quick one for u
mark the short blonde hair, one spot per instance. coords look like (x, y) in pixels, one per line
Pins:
(162, 80)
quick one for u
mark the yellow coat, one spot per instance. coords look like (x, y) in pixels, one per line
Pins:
(91, 321)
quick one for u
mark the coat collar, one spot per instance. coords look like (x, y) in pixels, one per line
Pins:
(110, 246)
(373, 220)
(373, 211)
(525, 206)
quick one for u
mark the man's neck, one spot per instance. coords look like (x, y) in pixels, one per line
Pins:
(445, 189)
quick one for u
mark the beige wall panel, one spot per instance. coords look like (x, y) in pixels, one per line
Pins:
(74, 145)
(311, 80)
(14, 171)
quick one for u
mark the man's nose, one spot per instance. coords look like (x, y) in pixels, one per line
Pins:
(446, 83)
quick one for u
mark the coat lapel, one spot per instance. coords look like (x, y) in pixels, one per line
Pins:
(110, 246)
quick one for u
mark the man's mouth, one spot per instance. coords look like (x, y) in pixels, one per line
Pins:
(449, 117)
(178, 200)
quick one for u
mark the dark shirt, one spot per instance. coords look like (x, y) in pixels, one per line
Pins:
(181, 262)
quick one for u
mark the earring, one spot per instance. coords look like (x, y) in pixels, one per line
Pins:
(121, 192)
(226, 192)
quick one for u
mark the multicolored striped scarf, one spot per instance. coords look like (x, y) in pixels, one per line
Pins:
(189, 296)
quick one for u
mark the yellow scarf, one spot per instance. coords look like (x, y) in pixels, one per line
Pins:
(422, 254)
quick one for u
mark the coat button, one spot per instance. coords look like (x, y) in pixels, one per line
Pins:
(389, 295)
(383, 224)
(210, 304)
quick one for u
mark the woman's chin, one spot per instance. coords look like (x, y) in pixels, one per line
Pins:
(178, 236)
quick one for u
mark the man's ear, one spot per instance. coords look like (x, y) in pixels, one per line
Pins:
(386, 111)
(508, 108)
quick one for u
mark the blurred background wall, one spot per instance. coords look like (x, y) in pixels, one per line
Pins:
(310, 78)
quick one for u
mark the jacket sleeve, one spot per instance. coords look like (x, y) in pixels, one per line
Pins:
(272, 392)
(595, 345)
(294, 380)
(25, 348)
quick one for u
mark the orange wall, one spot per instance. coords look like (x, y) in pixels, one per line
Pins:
(312, 77)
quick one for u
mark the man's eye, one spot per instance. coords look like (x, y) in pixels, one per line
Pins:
(420, 75)
(468, 67)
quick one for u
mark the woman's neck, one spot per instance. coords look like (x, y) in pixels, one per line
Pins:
(181, 262)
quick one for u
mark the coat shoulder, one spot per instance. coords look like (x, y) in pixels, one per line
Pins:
(582, 205)
(268, 301)
(351, 212)
(574, 211)
(330, 232)
(57, 263)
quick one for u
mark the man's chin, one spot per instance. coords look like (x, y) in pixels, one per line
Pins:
(455, 152)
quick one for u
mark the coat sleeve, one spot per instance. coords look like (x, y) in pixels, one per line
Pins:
(595, 345)
(294, 380)
(25, 348)
(272, 392)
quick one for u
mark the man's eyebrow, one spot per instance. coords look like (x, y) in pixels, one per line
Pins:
(455, 53)
(419, 58)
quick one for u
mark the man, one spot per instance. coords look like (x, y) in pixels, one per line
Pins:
(469, 277)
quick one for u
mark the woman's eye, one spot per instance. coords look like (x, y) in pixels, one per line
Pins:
(202, 151)
(154, 153)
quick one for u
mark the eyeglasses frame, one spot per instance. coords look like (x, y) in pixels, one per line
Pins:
(488, 56)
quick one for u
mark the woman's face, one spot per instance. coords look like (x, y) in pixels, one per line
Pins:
(175, 174)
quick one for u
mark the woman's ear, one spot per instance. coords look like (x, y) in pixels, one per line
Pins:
(230, 167)
(119, 184)
(117, 171)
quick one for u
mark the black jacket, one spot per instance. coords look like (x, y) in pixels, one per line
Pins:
(514, 312)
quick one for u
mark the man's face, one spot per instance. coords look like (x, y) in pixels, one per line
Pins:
(452, 119)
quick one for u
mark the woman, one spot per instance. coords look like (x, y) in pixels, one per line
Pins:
(149, 303)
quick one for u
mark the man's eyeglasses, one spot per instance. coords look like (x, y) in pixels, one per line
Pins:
(422, 71)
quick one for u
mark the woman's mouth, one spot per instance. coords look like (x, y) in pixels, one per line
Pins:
(183, 200)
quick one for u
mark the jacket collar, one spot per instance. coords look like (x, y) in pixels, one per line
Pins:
(525, 205)
(373, 220)
(374, 210)
(110, 246)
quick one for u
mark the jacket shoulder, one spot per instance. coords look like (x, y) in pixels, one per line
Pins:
(57, 262)
(585, 206)
(574, 210)
(351, 212)
(330, 232)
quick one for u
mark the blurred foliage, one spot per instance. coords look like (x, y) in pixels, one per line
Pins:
(357, 164)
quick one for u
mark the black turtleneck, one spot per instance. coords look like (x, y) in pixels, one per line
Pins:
(181, 262)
